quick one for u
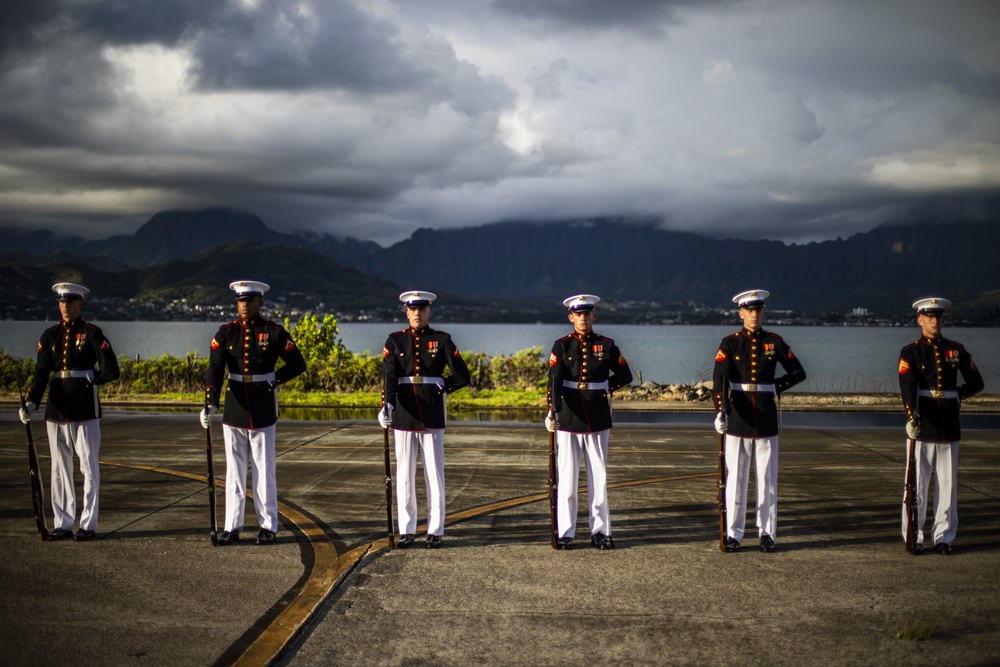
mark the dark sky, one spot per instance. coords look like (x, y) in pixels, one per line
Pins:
(790, 119)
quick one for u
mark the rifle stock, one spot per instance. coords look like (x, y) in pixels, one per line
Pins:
(553, 524)
(214, 535)
(722, 474)
(722, 492)
(911, 500)
(37, 490)
(388, 488)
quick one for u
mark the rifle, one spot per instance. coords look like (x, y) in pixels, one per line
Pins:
(214, 535)
(910, 500)
(388, 488)
(722, 477)
(554, 527)
(37, 490)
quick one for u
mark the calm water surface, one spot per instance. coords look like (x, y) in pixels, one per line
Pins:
(836, 359)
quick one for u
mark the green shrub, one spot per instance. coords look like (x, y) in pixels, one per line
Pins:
(330, 368)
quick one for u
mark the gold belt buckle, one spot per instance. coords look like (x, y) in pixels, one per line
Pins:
(582, 386)
(937, 393)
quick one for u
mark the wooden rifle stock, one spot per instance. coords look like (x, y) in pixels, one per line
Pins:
(388, 488)
(214, 535)
(37, 490)
(553, 523)
(911, 501)
(722, 474)
(722, 491)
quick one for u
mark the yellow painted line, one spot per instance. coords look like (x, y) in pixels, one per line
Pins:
(525, 500)
(328, 566)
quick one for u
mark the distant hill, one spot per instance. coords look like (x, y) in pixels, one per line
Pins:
(299, 278)
(293, 274)
(882, 269)
(516, 271)
(181, 234)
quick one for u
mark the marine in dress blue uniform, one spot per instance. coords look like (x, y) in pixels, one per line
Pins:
(584, 369)
(747, 395)
(414, 361)
(246, 351)
(928, 381)
(79, 358)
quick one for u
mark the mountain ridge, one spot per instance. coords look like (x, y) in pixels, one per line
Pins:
(517, 267)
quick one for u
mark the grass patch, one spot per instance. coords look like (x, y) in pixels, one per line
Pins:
(914, 631)
(462, 399)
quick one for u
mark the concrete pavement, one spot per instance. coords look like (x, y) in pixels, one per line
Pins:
(152, 590)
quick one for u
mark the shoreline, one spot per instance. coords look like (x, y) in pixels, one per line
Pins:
(630, 400)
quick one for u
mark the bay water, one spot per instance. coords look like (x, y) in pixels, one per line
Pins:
(836, 359)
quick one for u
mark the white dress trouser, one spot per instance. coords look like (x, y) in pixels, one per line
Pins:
(764, 453)
(85, 438)
(595, 448)
(943, 457)
(431, 446)
(257, 445)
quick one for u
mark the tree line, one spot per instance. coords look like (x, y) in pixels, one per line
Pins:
(330, 369)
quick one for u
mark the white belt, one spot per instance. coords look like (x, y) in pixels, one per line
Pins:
(63, 375)
(586, 386)
(938, 393)
(266, 377)
(422, 379)
(753, 387)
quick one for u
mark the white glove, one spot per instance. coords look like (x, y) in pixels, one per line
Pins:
(721, 423)
(25, 412)
(206, 415)
(385, 416)
(551, 422)
(912, 429)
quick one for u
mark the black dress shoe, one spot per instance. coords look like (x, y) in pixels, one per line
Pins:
(84, 535)
(942, 548)
(433, 541)
(404, 541)
(266, 536)
(918, 549)
(767, 543)
(228, 537)
(60, 534)
(602, 541)
(732, 545)
(564, 543)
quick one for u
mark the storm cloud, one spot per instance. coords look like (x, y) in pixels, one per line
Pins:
(790, 120)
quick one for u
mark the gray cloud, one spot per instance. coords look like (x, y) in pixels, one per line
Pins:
(645, 18)
(792, 120)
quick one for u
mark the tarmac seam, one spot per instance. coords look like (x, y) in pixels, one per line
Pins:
(327, 568)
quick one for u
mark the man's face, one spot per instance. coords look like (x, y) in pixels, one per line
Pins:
(753, 318)
(70, 310)
(583, 321)
(418, 316)
(930, 324)
(249, 306)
